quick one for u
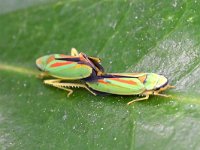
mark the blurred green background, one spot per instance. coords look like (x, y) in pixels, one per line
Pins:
(129, 36)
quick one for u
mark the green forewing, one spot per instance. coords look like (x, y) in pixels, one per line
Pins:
(68, 70)
(119, 86)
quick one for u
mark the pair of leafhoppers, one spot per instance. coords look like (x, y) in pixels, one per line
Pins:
(79, 66)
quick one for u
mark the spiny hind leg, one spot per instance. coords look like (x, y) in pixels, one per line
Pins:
(74, 52)
(56, 83)
(139, 99)
(82, 86)
(75, 85)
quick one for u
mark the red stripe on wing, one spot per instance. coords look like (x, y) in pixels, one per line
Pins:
(58, 64)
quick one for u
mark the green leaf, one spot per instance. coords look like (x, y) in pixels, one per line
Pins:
(129, 36)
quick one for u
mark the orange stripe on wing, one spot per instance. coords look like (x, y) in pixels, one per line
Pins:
(58, 64)
(124, 81)
(102, 81)
(50, 59)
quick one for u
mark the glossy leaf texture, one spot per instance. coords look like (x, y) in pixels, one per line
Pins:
(129, 36)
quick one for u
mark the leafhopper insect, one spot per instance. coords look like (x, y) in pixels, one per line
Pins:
(81, 67)
(131, 84)
(144, 84)
(64, 67)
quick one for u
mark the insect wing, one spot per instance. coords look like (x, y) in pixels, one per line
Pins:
(67, 67)
(119, 86)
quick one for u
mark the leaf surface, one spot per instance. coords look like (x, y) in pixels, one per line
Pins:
(129, 36)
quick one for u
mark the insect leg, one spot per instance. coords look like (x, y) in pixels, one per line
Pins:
(163, 95)
(170, 86)
(74, 52)
(56, 83)
(75, 85)
(139, 99)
